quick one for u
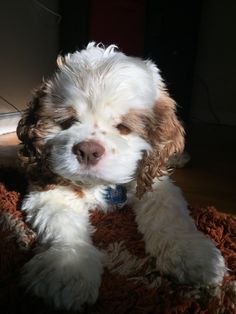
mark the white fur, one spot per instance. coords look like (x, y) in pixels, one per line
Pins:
(102, 85)
(171, 236)
(67, 268)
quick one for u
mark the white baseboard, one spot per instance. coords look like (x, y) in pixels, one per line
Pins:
(8, 122)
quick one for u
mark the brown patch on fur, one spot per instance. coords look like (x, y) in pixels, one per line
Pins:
(79, 191)
(134, 120)
(160, 128)
(166, 135)
(45, 188)
(37, 122)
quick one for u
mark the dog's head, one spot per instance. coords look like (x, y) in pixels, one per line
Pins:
(104, 117)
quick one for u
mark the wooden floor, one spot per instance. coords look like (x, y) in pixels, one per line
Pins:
(9, 139)
(210, 177)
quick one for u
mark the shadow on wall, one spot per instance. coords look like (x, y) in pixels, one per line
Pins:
(29, 46)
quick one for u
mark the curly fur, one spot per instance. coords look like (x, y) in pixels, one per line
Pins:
(166, 135)
(99, 95)
(36, 123)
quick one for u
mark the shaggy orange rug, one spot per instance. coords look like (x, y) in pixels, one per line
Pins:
(130, 284)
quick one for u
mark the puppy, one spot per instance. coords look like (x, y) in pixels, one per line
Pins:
(103, 128)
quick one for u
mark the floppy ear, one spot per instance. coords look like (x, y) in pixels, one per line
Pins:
(166, 136)
(34, 123)
(31, 130)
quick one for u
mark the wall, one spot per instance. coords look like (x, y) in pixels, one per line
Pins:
(29, 45)
(214, 93)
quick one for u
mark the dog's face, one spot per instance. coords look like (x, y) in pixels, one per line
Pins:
(103, 118)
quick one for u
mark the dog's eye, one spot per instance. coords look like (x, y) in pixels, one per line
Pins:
(66, 124)
(123, 129)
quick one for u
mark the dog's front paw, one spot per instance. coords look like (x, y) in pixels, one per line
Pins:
(66, 278)
(194, 259)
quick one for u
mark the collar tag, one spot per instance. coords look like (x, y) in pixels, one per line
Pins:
(117, 196)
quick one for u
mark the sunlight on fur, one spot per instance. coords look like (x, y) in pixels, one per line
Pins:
(102, 121)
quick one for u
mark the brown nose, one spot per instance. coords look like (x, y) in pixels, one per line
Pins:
(88, 153)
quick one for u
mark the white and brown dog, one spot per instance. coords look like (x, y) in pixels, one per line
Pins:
(103, 124)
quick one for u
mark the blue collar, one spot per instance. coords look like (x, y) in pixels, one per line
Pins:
(117, 196)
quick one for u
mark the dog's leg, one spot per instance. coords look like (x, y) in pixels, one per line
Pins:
(66, 269)
(171, 236)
